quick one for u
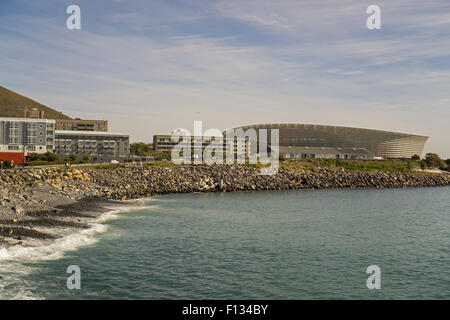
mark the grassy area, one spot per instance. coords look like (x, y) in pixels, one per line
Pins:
(406, 166)
(51, 163)
(130, 164)
(402, 166)
(398, 166)
(102, 166)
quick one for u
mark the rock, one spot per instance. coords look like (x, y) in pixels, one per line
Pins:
(18, 209)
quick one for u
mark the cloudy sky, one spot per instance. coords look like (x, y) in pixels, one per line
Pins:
(152, 66)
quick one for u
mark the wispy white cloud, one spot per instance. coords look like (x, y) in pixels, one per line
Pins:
(297, 61)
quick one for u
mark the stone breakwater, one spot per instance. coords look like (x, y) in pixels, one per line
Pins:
(34, 200)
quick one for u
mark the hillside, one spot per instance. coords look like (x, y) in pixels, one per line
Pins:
(14, 105)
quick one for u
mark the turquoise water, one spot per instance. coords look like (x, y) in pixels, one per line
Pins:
(258, 245)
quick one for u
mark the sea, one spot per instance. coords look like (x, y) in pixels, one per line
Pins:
(303, 244)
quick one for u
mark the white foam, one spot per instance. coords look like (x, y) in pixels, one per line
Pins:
(13, 259)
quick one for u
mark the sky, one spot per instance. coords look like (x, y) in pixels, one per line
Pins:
(152, 66)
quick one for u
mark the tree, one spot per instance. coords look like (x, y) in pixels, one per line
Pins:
(447, 162)
(161, 156)
(415, 157)
(140, 149)
(434, 161)
(49, 156)
(33, 156)
(72, 157)
(423, 164)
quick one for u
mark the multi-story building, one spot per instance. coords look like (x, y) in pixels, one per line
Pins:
(27, 135)
(81, 125)
(69, 124)
(98, 146)
(240, 146)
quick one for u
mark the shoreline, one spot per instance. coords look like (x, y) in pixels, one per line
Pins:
(47, 226)
(43, 205)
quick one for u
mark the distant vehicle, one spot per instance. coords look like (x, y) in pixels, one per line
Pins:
(114, 161)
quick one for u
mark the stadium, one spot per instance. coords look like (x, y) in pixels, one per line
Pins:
(384, 144)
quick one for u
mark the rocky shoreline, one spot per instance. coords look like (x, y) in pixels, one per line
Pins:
(35, 203)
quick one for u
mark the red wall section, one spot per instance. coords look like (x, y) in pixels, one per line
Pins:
(17, 157)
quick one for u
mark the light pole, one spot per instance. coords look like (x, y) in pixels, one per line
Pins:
(24, 152)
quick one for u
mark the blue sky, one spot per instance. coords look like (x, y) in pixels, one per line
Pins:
(152, 66)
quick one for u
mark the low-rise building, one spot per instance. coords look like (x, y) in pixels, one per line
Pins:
(324, 153)
(34, 113)
(241, 146)
(81, 125)
(98, 146)
(27, 135)
(69, 124)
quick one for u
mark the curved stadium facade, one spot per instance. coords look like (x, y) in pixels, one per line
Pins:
(381, 143)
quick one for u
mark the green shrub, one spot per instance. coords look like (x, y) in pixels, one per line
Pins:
(71, 158)
(48, 157)
(6, 164)
(434, 161)
(140, 149)
(33, 157)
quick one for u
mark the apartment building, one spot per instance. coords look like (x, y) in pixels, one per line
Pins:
(98, 146)
(27, 135)
(239, 146)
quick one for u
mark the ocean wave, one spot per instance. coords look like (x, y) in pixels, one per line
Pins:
(15, 261)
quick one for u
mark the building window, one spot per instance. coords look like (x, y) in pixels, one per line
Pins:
(14, 133)
(13, 139)
(31, 133)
